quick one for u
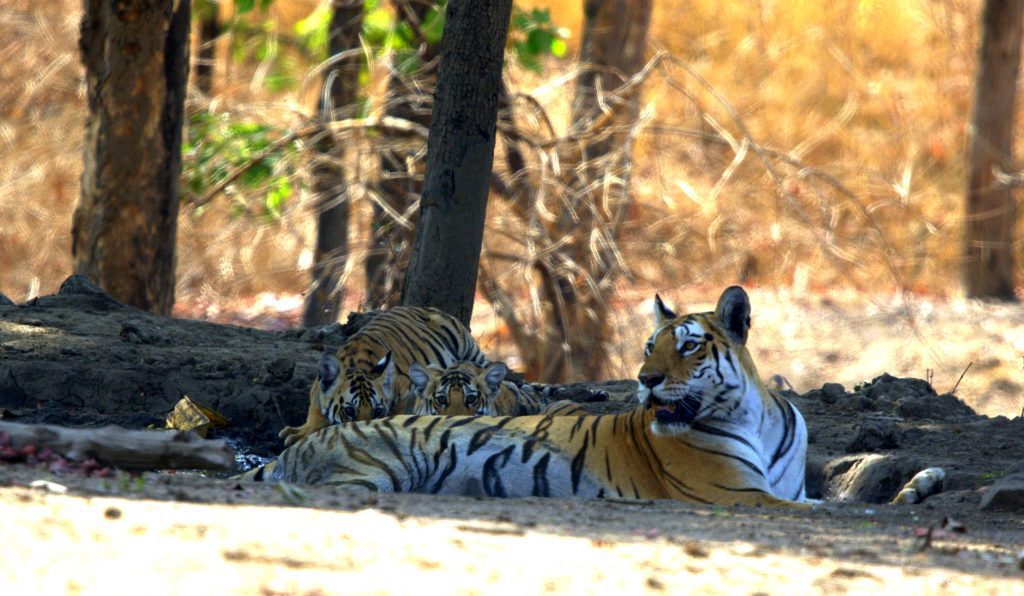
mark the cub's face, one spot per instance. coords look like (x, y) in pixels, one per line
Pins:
(463, 389)
(351, 394)
(694, 365)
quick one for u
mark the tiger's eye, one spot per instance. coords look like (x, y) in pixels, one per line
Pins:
(689, 346)
(471, 399)
(349, 412)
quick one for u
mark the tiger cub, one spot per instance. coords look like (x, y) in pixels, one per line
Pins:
(707, 431)
(468, 389)
(368, 377)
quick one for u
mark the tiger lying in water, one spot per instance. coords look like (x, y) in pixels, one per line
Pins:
(368, 379)
(468, 389)
(707, 431)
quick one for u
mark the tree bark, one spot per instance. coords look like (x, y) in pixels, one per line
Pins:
(400, 183)
(460, 152)
(612, 51)
(135, 54)
(341, 84)
(991, 210)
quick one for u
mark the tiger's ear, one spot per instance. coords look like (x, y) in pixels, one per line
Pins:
(390, 369)
(419, 376)
(494, 375)
(733, 312)
(382, 364)
(662, 313)
(329, 369)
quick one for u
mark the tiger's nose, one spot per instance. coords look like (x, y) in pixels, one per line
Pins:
(651, 380)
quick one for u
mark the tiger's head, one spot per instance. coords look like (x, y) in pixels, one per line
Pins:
(696, 366)
(463, 389)
(355, 392)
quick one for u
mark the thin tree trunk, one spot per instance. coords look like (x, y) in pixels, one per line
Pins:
(390, 242)
(209, 30)
(613, 47)
(341, 84)
(135, 54)
(460, 152)
(991, 210)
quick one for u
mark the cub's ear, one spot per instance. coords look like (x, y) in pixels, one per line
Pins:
(329, 369)
(419, 377)
(662, 313)
(733, 312)
(495, 374)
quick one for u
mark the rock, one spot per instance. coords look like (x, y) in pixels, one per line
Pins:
(1005, 495)
(276, 372)
(137, 331)
(832, 392)
(913, 407)
(5, 301)
(871, 478)
(875, 435)
(81, 285)
(78, 292)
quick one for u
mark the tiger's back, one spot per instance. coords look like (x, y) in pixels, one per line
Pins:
(547, 456)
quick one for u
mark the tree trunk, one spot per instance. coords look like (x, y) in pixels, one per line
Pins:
(612, 51)
(991, 211)
(135, 54)
(209, 30)
(341, 83)
(443, 267)
(400, 183)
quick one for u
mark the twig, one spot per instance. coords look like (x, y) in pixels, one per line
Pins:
(953, 391)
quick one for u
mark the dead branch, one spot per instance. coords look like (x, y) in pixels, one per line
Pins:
(123, 448)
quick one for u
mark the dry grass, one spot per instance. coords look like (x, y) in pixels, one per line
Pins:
(795, 145)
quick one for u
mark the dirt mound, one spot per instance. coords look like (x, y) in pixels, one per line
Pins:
(907, 398)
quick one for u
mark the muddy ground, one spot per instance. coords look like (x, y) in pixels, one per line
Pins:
(80, 359)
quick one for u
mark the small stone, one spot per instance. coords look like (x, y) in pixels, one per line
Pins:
(864, 404)
(875, 435)
(280, 370)
(112, 513)
(914, 407)
(1005, 495)
(137, 331)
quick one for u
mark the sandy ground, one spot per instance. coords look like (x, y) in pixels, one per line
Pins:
(149, 540)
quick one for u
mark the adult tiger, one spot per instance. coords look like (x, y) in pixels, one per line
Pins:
(368, 377)
(468, 389)
(707, 431)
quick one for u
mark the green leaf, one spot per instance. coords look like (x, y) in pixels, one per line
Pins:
(558, 48)
(433, 26)
(244, 6)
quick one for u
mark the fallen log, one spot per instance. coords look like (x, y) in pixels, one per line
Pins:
(124, 448)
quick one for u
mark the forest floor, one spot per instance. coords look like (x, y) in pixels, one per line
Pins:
(77, 359)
